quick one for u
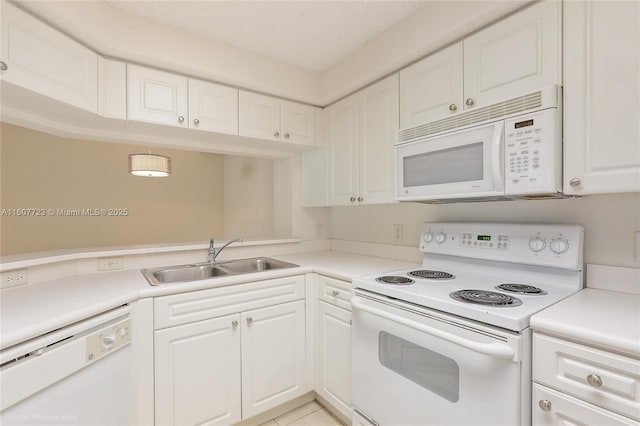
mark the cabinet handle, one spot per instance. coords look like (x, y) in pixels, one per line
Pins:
(196, 122)
(575, 182)
(335, 293)
(453, 107)
(249, 320)
(234, 323)
(545, 405)
(180, 119)
(3, 66)
(594, 380)
(286, 135)
(360, 199)
(276, 134)
(469, 102)
(352, 199)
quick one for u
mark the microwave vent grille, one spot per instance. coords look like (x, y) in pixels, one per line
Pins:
(491, 112)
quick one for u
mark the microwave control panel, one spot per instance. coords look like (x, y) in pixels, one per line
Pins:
(533, 153)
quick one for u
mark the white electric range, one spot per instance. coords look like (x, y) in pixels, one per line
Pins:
(449, 342)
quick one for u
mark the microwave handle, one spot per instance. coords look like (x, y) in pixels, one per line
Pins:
(496, 350)
(497, 161)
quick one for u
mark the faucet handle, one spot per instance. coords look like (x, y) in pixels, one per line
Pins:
(212, 242)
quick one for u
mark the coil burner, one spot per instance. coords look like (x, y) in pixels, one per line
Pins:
(431, 275)
(394, 279)
(487, 298)
(521, 289)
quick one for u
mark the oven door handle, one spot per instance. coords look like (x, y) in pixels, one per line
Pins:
(496, 350)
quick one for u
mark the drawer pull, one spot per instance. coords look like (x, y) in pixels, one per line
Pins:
(249, 320)
(594, 380)
(234, 323)
(335, 293)
(545, 405)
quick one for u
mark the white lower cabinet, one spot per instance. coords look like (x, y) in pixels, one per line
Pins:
(273, 356)
(576, 384)
(219, 370)
(334, 356)
(198, 373)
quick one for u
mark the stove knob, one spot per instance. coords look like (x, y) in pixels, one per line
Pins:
(441, 237)
(428, 237)
(537, 244)
(559, 246)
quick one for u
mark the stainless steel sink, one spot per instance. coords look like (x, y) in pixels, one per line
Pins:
(203, 271)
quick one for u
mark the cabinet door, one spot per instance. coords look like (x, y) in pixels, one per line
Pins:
(156, 96)
(515, 56)
(564, 410)
(259, 116)
(197, 373)
(432, 88)
(45, 61)
(377, 130)
(334, 356)
(213, 107)
(273, 356)
(298, 123)
(342, 138)
(602, 97)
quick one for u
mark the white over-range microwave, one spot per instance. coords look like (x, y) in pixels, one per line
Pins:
(505, 151)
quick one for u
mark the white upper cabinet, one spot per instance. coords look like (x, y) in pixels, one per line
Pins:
(515, 56)
(298, 123)
(213, 107)
(432, 88)
(270, 118)
(157, 96)
(112, 88)
(41, 59)
(602, 97)
(361, 133)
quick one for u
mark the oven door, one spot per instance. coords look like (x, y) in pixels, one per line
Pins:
(464, 164)
(418, 367)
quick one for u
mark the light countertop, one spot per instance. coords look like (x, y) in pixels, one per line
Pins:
(596, 317)
(31, 310)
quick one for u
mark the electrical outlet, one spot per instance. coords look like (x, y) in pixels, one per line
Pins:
(398, 233)
(637, 246)
(109, 263)
(14, 278)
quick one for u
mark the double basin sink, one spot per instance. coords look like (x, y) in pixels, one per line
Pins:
(204, 271)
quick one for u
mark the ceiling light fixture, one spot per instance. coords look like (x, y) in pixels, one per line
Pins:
(149, 165)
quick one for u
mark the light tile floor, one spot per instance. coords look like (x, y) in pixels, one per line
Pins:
(311, 414)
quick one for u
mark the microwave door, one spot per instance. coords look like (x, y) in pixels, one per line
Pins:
(467, 163)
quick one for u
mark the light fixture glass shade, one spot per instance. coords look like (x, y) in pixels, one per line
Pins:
(149, 165)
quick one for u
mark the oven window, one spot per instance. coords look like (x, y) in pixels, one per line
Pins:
(434, 372)
(460, 164)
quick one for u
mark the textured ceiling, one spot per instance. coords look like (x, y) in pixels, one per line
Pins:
(310, 34)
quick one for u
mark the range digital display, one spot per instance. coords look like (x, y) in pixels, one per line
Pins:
(526, 123)
(484, 237)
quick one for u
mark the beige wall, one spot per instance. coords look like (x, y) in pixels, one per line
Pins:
(610, 221)
(38, 170)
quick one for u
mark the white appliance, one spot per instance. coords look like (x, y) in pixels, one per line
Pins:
(500, 152)
(77, 375)
(449, 343)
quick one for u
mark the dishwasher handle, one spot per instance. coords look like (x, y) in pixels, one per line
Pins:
(495, 349)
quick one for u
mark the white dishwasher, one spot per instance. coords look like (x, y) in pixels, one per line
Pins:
(79, 375)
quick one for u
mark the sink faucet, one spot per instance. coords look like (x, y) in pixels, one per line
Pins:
(213, 253)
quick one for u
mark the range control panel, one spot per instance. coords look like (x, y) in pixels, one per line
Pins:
(107, 339)
(553, 245)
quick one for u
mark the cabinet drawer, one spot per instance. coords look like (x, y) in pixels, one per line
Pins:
(336, 292)
(566, 410)
(605, 379)
(199, 305)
